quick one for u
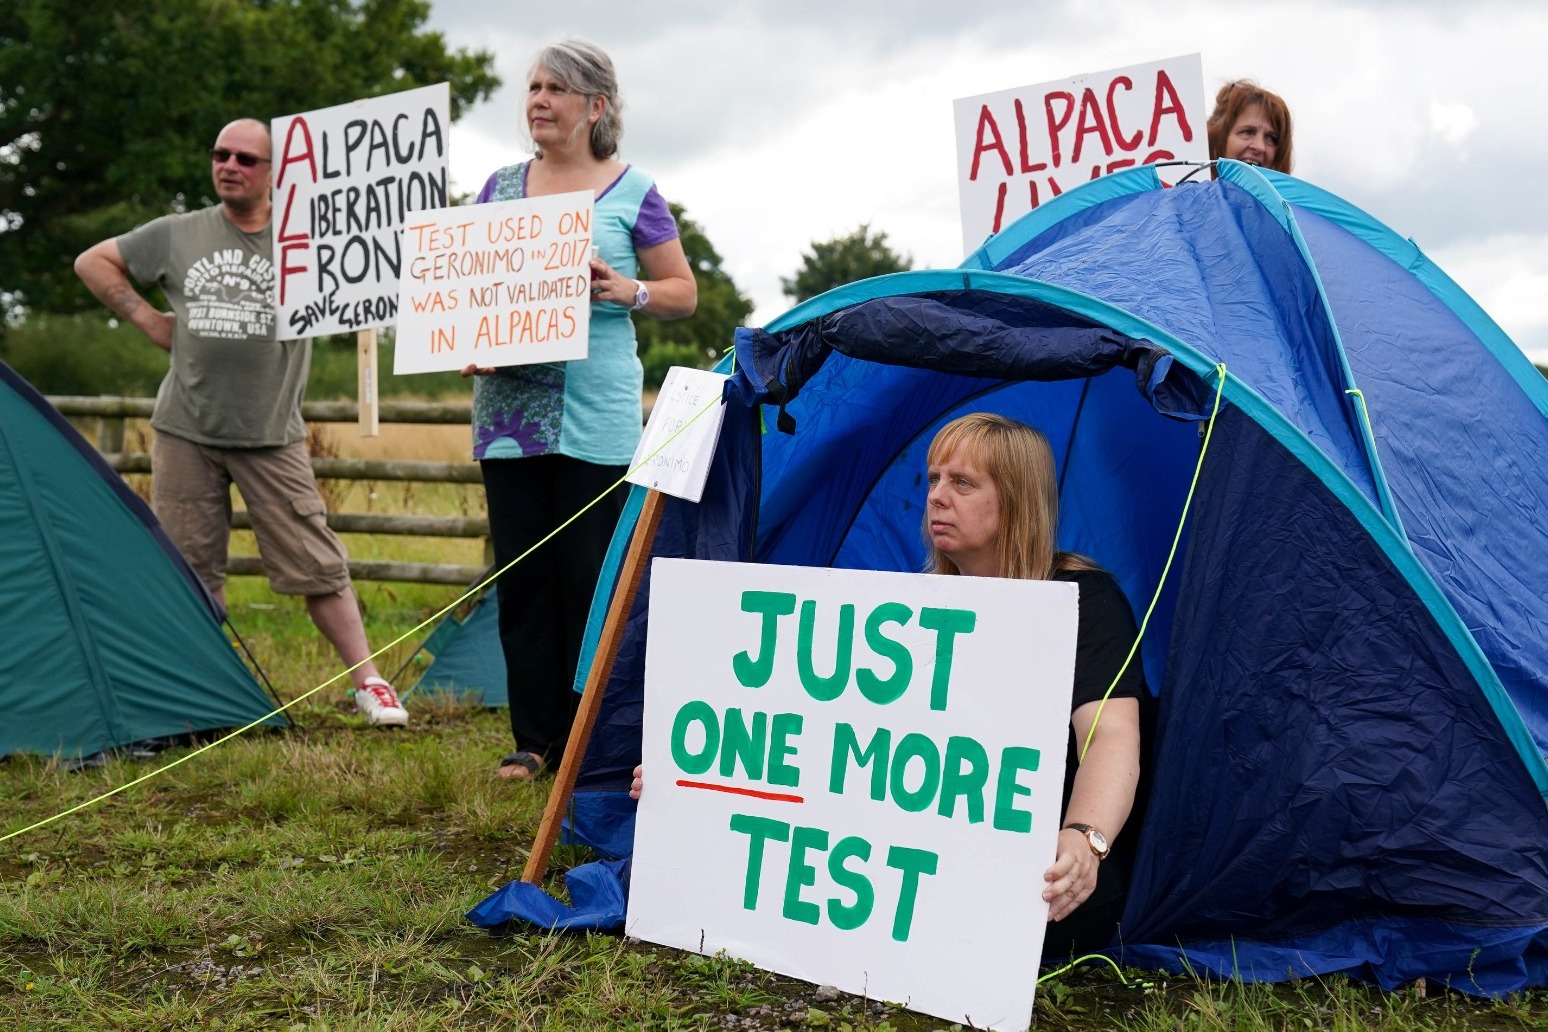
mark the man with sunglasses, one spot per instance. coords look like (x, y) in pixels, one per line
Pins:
(229, 410)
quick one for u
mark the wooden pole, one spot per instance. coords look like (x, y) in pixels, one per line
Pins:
(365, 356)
(596, 683)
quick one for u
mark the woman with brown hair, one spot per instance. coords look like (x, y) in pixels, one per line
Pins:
(1251, 124)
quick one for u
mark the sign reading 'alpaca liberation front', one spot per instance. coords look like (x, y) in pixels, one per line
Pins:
(347, 179)
(843, 766)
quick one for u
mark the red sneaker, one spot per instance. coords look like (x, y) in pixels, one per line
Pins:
(377, 700)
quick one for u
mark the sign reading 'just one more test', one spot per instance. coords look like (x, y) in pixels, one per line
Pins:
(841, 766)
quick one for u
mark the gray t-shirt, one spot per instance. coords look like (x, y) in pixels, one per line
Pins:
(231, 384)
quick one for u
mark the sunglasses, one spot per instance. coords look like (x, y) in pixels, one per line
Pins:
(220, 155)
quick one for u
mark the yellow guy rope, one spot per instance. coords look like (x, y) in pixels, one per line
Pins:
(1182, 521)
(396, 641)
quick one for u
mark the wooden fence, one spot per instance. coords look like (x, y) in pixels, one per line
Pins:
(112, 413)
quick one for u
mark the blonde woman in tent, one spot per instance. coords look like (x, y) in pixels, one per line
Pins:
(550, 438)
(1251, 124)
(992, 511)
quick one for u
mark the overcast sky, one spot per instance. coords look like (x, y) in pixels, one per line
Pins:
(779, 123)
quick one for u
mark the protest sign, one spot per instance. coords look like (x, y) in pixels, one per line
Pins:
(855, 778)
(496, 285)
(346, 180)
(1020, 147)
(679, 440)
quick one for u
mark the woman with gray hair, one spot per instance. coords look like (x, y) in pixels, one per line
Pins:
(550, 438)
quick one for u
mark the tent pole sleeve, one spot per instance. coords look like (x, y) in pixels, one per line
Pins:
(632, 572)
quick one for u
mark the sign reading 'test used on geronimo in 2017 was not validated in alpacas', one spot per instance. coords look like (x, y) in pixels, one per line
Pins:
(501, 284)
(843, 765)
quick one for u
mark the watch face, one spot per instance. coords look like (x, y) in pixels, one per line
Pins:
(1098, 841)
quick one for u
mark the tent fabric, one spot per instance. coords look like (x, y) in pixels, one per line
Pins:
(466, 655)
(598, 894)
(1349, 771)
(1445, 458)
(1393, 792)
(109, 638)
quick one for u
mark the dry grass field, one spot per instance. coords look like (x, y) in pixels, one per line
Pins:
(316, 878)
(404, 441)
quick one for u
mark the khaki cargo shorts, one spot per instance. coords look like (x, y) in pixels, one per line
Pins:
(191, 494)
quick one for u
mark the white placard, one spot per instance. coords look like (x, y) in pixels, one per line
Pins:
(346, 181)
(496, 284)
(679, 440)
(775, 696)
(1018, 148)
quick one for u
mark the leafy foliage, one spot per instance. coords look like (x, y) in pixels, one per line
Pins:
(90, 354)
(844, 259)
(93, 354)
(84, 354)
(107, 111)
(699, 339)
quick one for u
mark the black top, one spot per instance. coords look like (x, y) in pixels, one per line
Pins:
(1106, 634)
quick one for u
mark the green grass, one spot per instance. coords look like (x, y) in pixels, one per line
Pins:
(316, 879)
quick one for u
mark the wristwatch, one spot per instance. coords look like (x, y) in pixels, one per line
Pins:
(641, 296)
(1095, 839)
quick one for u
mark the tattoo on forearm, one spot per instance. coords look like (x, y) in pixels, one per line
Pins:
(122, 299)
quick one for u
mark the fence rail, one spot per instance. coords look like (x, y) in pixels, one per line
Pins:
(112, 413)
(345, 469)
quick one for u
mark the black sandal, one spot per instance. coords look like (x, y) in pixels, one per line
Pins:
(530, 765)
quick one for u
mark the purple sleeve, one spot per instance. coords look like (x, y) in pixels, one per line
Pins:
(655, 224)
(488, 191)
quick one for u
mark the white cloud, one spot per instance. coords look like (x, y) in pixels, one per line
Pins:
(780, 124)
(1507, 274)
(1453, 122)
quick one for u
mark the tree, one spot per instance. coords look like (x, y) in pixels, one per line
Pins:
(705, 334)
(107, 111)
(844, 259)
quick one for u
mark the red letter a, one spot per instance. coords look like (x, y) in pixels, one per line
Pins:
(304, 155)
(986, 121)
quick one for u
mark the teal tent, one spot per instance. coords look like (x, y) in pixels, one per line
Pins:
(107, 637)
(466, 658)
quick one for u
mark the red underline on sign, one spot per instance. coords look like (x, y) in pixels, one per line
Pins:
(778, 797)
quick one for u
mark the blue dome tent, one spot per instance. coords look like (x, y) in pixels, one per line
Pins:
(1349, 648)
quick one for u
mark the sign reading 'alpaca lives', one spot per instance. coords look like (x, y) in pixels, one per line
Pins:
(1019, 148)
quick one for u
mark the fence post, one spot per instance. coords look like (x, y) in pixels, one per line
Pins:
(110, 435)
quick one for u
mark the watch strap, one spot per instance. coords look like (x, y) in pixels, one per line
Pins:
(1092, 836)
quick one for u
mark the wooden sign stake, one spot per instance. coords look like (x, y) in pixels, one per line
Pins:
(596, 683)
(365, 357)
